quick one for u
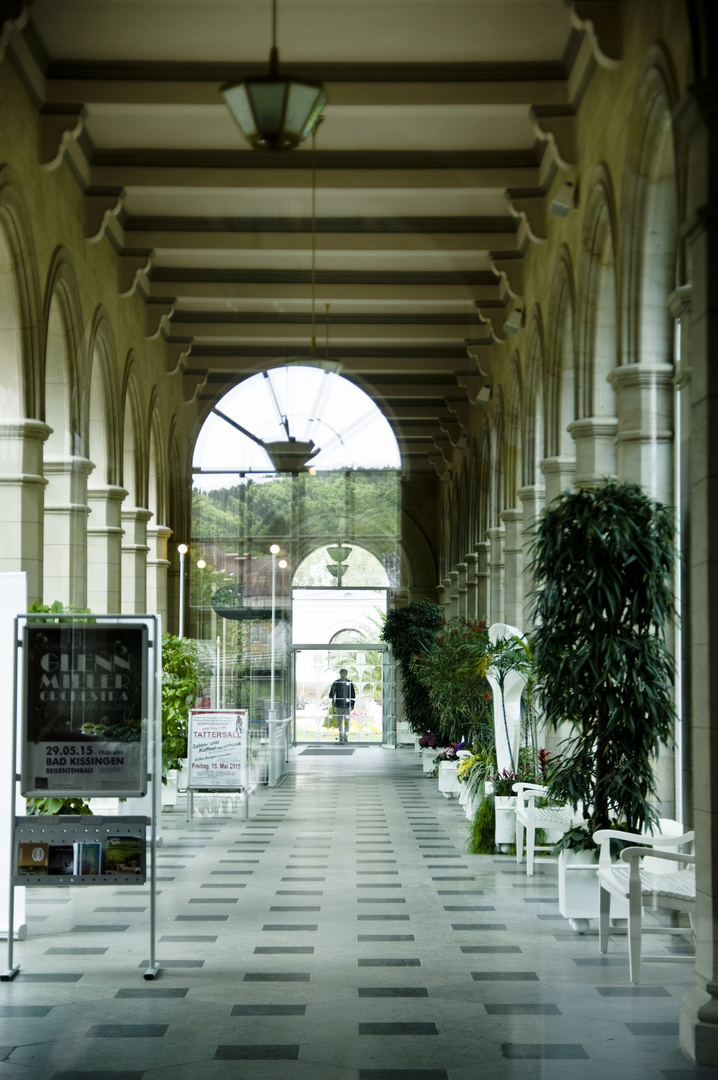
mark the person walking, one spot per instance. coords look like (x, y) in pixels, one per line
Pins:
(342, 696)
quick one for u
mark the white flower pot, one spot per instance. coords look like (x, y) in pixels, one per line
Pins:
(448, 780)
(505, 808)
(578, 891)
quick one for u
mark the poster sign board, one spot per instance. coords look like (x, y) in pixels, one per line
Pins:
(84, 715)
(217, 745)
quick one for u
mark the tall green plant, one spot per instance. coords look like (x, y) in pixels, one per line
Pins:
(181, 675)
(449, 667)
(603, 564)
(407, 630)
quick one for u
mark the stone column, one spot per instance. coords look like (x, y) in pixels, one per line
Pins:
(680, 307)
(697, 118)
(472, 585)
(157, 568)
(558, 473)
(104, 539)
(594, 437)
(453, 609)
(134, 560)
(496, 574)
(532, 498)
(66, 513)
(461, 589)
(446, 596)
(22, 486)
(644, 439)
(513, 567)
(483, 588)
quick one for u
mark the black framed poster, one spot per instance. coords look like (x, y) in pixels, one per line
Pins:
(84, 709)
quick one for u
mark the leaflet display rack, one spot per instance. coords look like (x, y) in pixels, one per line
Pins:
(63, 832)
(87, 707)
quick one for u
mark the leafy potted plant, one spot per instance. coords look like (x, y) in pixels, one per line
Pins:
(603, 560)
(448, 666)
(406, 630)
(181, 675)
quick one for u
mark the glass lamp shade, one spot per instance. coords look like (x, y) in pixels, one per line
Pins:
(275, 112)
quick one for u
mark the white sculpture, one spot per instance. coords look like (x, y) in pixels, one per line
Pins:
(507, 706)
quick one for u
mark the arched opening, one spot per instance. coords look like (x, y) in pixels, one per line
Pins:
(295, 519)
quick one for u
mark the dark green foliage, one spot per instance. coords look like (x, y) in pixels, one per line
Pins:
(448, 666)
(603, 565)
(407, 630)
(481, 838)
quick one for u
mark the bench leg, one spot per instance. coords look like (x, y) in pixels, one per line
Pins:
(530, 848)
(635, 916)
(519, 841)
(604, 912)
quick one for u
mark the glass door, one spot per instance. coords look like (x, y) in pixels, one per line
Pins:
(315, 669)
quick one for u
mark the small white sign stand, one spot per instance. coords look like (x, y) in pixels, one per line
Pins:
(217, 754)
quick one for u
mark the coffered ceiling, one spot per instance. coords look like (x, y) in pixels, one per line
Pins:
(448, 122)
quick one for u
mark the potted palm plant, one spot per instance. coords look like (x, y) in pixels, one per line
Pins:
(603, 560)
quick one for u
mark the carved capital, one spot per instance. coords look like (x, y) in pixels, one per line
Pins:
(176, 351)
(13, 16)
(602, 19)
(130, 265)
(476, 386)
(192, 383)
(100, 205)
(512, 274)
(532, 209)
(557, 124)
(56, 130)
(156, 312)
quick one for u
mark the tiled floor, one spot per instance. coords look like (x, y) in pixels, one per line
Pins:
(342, 932)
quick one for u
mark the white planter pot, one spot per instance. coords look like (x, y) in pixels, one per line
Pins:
(448, 780)
(404, 734)
(427, 759)
(169, 790)
(578, 892)
(505, 834)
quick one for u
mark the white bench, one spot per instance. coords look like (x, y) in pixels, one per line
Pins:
(646, 884)
(530, 817)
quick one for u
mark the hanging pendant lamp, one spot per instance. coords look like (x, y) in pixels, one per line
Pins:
(275, 112)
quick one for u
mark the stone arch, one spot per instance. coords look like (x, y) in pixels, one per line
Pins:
(644, 381)
(66, 467)
(134, 437)
(594, 429)
(104, 494)
(22, 431)
(104, 432)
(158, 531)
(559, 465)
(135, 469)
(599, 336)
(21, 390)
(513, 430)
(497, 458)
(533, 444)
(651, 201)
(485, 474)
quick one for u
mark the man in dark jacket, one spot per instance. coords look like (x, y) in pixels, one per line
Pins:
(342, 697)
